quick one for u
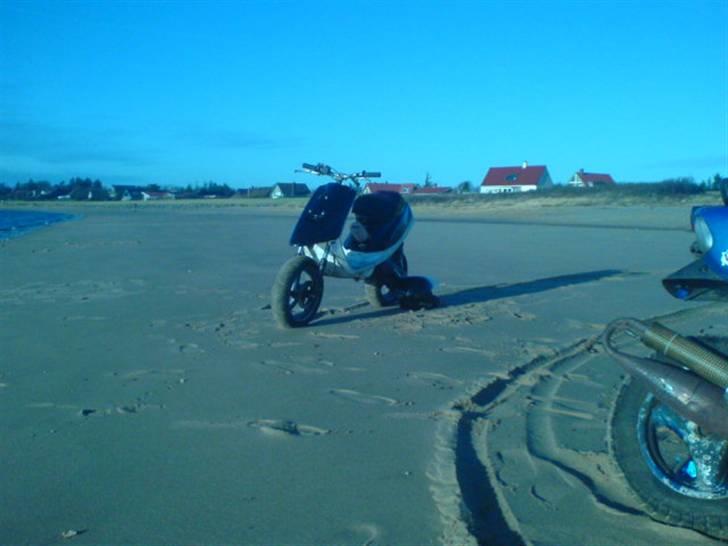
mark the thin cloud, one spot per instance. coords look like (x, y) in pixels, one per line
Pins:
(712, 161)
(232, 140)
(66, 146)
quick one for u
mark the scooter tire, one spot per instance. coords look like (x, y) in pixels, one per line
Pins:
(379, 294)
(299, 283)
(661, 503)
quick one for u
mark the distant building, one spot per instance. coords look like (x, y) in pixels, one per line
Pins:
(432, 190)
(289, 189)
(187, 195)
(256, 193)
(516, 179)
(404, 189)
(126, 193)
(582, 179)
(157, 195)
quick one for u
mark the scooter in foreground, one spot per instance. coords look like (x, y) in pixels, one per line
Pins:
(669, 430)
(373, 250)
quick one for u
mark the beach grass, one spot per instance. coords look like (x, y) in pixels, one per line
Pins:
(628, 195)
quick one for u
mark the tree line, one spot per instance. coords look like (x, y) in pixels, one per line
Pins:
(86, 189)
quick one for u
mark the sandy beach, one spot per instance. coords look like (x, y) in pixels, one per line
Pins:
(147, 397)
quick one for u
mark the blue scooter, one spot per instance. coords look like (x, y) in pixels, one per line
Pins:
(669, 428)
(372, 251)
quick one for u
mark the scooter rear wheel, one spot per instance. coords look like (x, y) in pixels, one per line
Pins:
(649, 443)
(297, 292)
(379, 294)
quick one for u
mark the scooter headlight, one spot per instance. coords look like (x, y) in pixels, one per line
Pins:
(703, 235)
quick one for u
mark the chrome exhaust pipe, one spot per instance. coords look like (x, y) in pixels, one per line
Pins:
(698, 394)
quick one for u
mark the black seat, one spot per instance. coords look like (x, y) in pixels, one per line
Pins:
(385, 215)
(378, 208)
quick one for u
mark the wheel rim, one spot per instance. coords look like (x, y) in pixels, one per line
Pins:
(387, 295)
(679, 456)
(303, 296)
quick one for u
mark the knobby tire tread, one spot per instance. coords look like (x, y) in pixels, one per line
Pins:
(280, 291)
(661, 503)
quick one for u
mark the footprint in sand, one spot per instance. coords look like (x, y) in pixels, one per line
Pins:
(475, 350)
(240, 344)
(124, 409)
(280, 428)
(175, 375)
(190, 348)
(312, 364)
(208, 425)
(70, 318)
(44, 405)
(334, 336)
(281, 344)
(326, 363)
(277, 366)
(370, 531)
(433, 379)
(290, 368)
(362, 398)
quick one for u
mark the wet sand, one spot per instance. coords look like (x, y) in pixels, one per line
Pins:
(147, 396)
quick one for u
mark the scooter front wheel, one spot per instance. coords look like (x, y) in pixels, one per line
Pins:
(297, 292)
(680, 475)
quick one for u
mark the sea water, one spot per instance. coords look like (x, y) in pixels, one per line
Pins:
(14, 223)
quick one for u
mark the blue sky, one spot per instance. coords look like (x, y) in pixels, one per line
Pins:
(244, 92)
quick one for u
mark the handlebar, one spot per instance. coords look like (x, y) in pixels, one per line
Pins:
(321, 169)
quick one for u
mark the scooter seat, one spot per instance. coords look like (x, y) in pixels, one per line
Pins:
(385, 216)
(378, 208)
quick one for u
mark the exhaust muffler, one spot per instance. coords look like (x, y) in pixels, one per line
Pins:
(698, 393)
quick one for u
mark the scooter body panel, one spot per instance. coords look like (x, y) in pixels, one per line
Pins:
(717, 257)
(705, 279)
(324, 216)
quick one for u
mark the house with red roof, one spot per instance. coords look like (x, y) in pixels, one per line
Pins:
(516, 179)
(583, 179)
(371, 187)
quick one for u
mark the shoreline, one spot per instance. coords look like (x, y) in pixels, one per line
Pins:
(16, 223)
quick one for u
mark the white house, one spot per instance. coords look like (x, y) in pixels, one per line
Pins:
(289, 189)
(582, 179)
(516, 179)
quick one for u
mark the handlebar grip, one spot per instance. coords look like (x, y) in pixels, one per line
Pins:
(310, 167)
(366, 174)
